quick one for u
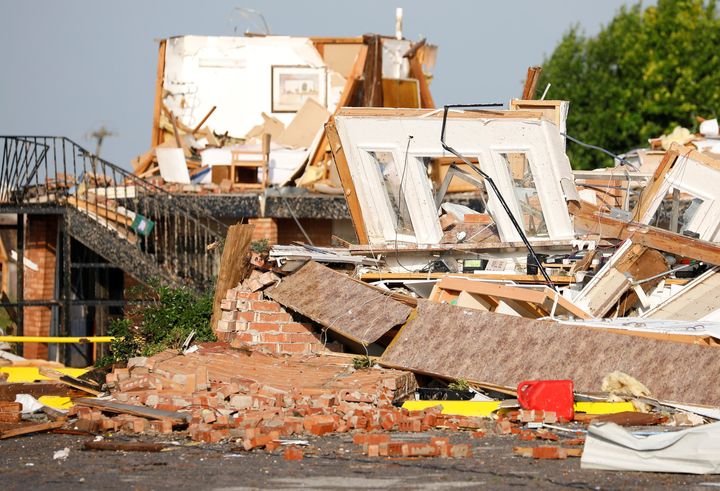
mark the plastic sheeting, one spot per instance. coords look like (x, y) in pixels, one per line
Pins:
(692, 451)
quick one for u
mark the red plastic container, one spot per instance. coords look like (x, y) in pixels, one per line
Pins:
(548, 395)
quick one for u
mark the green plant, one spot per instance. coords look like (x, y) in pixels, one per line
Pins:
(163, 323)
(260, 246)
(644, 73)
(460, 384)
(361, 362)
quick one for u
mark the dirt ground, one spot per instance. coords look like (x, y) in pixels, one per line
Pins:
(332, 462)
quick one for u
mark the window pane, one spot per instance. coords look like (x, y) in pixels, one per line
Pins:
(526, 193)
(676, 203)
(395, 193)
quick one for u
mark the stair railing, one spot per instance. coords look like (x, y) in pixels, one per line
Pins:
(45, 171)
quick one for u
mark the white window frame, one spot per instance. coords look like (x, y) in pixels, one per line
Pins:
(484, 139)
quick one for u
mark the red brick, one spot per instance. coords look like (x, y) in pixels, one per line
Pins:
(272, 337)
(274, 317)
(293, 453)
(265, 306)
(420, 450)
(293, 327)
(549, 453)
(478, 434)
(370, 438)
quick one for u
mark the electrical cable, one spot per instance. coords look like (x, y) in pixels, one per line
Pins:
(622, 160)
(495, 189)
(292, 213)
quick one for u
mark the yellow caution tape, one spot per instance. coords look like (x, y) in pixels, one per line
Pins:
(56, 339)
(32, 374)
(486, 408)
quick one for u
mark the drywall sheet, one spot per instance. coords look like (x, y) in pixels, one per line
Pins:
(348, 307)
(456, 342)
(173, 167)
(232, 73)
(692, 451)
(301, 131)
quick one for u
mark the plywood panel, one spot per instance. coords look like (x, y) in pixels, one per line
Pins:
(334, 300)
(451, 341)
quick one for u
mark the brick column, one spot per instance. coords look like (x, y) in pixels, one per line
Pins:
(41, 249)
(265, 228)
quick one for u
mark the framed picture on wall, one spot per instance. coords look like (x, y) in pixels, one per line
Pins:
(292, 85)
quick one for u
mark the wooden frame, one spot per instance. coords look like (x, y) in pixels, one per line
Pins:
(316, 74)
(533, 302)
(364, 130)
(685, 171)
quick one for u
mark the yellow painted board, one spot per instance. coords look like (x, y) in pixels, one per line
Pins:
(486, 408)
(32, 374)
(56, 402)
(603, 407)
(456, 408)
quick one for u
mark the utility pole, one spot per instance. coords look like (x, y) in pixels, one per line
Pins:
(100, 134)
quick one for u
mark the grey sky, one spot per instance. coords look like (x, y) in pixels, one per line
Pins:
(70, 66)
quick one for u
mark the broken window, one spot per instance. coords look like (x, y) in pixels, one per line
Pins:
(526, 193)
(395, 183)
(677, 214)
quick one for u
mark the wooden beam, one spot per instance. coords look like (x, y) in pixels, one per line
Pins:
(348, 93)
(234, 264)
(648, 236)
(343, 169)
(202, 121)
(372, 73)
(531, 81)
(157, 108)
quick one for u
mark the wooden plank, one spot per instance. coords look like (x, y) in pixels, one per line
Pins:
(648, 236)
(234, 264)
(75, 383)
(9, 390)
(347, 95)
(542, 298)
(26, 429)
(157, 108)
(346, 180)
(132, 409)
(372, 95)
(697, 299)
(416, 72)
(655, 183)
(518, 278)
(202, 121)
(531, 81)
(100, 211)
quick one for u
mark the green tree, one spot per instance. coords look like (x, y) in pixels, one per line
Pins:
(646, 72)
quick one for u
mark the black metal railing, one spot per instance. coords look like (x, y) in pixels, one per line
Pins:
(57, 172)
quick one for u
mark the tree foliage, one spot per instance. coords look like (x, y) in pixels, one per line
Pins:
(646, 72)
(163, 323)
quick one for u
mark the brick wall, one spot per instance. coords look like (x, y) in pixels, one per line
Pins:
(285, 230)
(265, 228)
(40, 248)
(249, 319)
